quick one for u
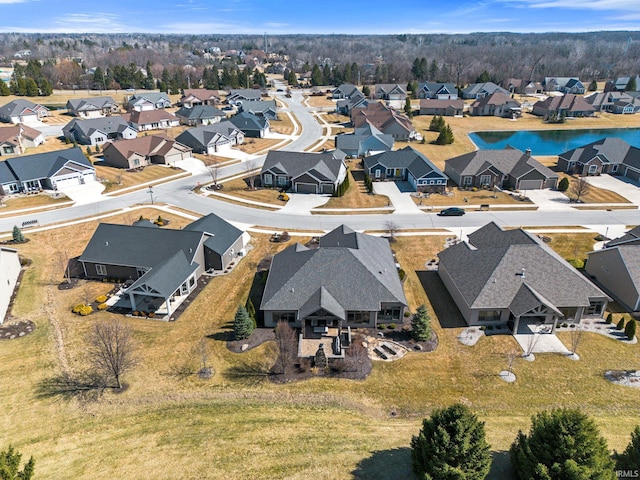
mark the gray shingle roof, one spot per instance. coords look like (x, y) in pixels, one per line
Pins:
(15, 107)
(249, 122)
(200, 137)
(367, 132)
(609, 150)
(490, 270)
(476, 88)
(632, 235)
(93, 103)
(221, 234)
(199, 112)
(294, 164)
(508, 161)
(107, 125)
(166, 277)
(44, 165)
(349, 271)
(408, 158)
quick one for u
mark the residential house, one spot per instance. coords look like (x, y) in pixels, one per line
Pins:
(144, 120)
(480, 90)
(508, 168)
(393, 94)
(303, 172)
(620, 85)
(200, 115)
(349, 281)
(511, 278)
(444, 108)
(46, 171)
(16, 139)
(563, 84)
(524, 87)
(365, 140)
(497, 104)
(386, 119)
(357, 100)
(607, 155)
(344, 91)
(616, 268)
(147, 101)
(143, 151)
(9, 273)
(437, 91)
(96, 131)
(568, 105)
(409, 165)
(157, 277)
(92, 107)
(261, 108)
(22, 111)
(199, 96)
(211, 139)
(614, 102)
(243, 94)
(251, 125)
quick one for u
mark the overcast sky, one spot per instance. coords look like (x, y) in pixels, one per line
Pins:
(323, 16)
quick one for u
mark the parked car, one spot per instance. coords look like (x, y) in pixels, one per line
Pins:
(451, 212)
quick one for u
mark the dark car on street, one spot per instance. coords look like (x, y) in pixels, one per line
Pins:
(451, 212)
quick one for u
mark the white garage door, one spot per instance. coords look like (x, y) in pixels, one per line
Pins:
(67, 182)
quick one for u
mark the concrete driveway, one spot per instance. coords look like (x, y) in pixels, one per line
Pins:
(620, 185)
(549, 199)
(302, 203)
(402, 202)
(83, 194)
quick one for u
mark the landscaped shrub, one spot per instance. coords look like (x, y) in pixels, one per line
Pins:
(565, 325)
(82, 309)
(101, 299)
(563, 185)
(103, 306)
(391, 326)
(620, 325)
(630, 329)
(576, 263)
(381, 326)
(407, 313)
(610, 318)
(489, 327)
(402, 274)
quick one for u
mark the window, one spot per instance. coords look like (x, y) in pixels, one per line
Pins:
(467, 181)
(284, 317)
(282, 181)
(268, 179)
(7, 150)
(389, 313)
(485, 179)
(192, 282)
(136, 162)
(614, 168)
(595, 308)
(488, 315)
(432, 182)
(389, 172)
(101, 270)
(358, 317)
(378, 173)
(593, 169)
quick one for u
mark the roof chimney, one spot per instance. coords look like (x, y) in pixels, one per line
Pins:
(527, 152)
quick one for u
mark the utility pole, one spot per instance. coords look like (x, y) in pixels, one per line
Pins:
(151, 193)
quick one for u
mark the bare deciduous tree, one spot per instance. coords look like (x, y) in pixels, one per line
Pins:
(111, 350)
(392, 229)
(576, 337)
(287, 346)
(250, 168)
(579, 188)
(511, 357)
(204, 351)
(358, 352)
(214, 171)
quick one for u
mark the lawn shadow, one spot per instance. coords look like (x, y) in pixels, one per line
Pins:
(443, 305)
(248, 373)
(394, 464)
(84, 386)
(500, 466)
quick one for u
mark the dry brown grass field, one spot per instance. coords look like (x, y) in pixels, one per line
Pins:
(256, 145)
(483, 197)
(118, 178)
(171, 426)
(283, 125)
(356, 195)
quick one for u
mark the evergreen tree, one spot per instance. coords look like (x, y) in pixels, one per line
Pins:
(251, 310)
(446, 136)
(620, 324)
(563, 185)
(407, 108)
(421, 325)
(149, 82)
(292, 79)
(609, 318)
(4, 89)
(17, 235)
(44, 87)
(630, 329)
(10, 465)
(593, 86)
(631, 84)
(98, 79)
(242, 324)
(316, 76)
(484, 77)
(451, 446)
(630, 458)
(560, 444)
(437, 123)
(366, 91)
(433, 71)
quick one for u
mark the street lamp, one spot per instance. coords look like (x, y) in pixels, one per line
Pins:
(151, 193)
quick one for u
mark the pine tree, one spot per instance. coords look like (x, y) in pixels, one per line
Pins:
(17, 235)
(620, 324)
(593, 86)
(630, 458)
(242, 324)
(421, 325)
(407, 108)
(292, 79)
(4, 90)
(437, 123)
(366, 91)
(563, 185)
(609, 318)
(631, 84)
(560, 443)
(446, 136)
(451, 445)
(10, 464)
(630, 329)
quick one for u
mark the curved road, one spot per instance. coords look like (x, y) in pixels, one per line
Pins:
(179, 193)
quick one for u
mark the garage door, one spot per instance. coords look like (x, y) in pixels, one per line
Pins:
(529, 184)
(633, 175)
(67, 182)
(305, 188)
(327, 188)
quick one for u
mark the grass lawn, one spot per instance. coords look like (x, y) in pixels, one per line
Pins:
(283, 125)
(327, 145)
(593, 194)
(356, 195)
(118, 178)
(31, 201)
(320, 101)
(255, 145)
(474, 198)
(238, 188)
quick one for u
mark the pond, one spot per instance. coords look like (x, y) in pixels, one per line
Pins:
(550, 142)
